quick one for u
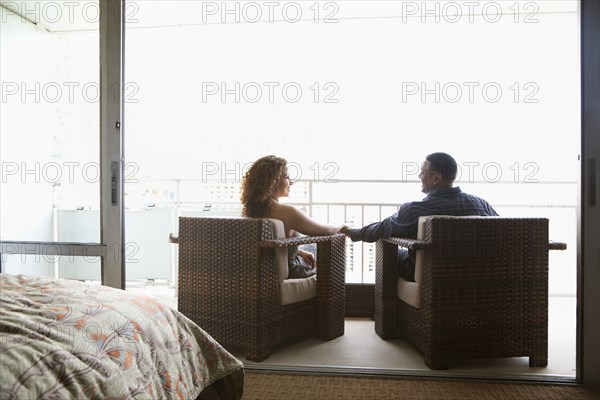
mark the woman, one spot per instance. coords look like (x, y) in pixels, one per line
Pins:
(263, 185)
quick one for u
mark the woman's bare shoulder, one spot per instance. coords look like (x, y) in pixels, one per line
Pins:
(283, 207)
(283, 211)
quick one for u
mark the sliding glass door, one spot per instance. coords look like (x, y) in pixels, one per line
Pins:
(354, 95)
(54, 159)
(50, 136)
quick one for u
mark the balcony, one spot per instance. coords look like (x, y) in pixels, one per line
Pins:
(158, 203)
(154, 205)
(535, 108)
(355, 202)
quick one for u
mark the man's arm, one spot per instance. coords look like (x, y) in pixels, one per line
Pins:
(491, 210)
(369, 233)
(401, 224)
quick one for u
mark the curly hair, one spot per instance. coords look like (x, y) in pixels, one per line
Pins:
(260, 185)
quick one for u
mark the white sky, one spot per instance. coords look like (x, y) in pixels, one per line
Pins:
(368, 65)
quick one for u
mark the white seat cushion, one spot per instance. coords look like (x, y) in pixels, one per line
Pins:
(281, 253)
(410, 292)
(292, 290)
(297, 290)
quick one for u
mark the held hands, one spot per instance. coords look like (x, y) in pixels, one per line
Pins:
(344, 229)
(310, 257)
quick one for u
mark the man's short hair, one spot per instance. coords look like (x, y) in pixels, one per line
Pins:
(444, 164)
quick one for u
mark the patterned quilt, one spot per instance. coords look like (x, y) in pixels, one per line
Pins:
(63, 339)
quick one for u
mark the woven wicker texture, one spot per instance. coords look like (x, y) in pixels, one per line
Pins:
(259, 386)
(359, 300)
(228, 285)
(484, 291)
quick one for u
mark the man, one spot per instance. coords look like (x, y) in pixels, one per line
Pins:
(438, 173)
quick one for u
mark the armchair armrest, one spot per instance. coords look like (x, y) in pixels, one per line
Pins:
(386, 287)
(411, 244)
(556, 246)
(415, 244)
(297, 241)
(331, 270)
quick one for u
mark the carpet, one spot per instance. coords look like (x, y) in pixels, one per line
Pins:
(272, 386)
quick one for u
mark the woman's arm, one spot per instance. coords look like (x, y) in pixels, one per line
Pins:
(308, 257)
(300, 222)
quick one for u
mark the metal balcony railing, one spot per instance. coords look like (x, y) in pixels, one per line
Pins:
(360, 202)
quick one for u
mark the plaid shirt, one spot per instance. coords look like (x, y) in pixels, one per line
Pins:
(404, 222)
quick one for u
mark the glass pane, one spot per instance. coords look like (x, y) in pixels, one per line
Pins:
(355, 94)
(49, 139)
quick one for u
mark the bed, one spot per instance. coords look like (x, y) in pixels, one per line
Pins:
(64, 339)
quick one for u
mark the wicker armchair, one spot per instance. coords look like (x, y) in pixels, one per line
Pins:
(481, 289)
(232, 283)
